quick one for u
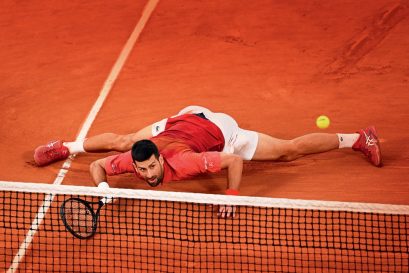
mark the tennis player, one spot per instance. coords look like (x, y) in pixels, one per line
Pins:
(197, 141)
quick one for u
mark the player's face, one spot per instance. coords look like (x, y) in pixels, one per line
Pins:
(150, 170)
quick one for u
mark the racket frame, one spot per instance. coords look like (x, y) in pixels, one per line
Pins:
(95, 216)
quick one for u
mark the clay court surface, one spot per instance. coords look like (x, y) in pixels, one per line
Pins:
(273, 65)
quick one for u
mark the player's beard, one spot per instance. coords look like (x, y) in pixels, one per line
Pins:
(159, 179)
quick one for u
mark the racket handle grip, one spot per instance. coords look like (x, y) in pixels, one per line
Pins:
(107, 199)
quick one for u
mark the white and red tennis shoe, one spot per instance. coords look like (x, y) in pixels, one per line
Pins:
(368, 144)
(51, 152)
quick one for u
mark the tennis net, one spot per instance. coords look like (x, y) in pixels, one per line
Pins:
(153, 231)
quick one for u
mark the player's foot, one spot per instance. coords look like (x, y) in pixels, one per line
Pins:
(368, 144)
(51, 152)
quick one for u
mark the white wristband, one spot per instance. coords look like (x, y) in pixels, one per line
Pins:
(107, 199)
(103, 185)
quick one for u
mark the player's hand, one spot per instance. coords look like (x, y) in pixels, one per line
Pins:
(226, 211)
(107, 198)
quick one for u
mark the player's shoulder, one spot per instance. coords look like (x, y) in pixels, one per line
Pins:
(173, 156)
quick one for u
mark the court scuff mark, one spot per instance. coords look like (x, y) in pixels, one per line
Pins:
(367, 40)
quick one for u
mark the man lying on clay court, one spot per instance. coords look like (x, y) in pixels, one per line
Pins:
(197, 141)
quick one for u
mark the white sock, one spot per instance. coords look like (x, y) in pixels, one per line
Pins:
(347, 140)
(75, 147)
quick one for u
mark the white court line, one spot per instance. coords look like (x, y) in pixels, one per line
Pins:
(106, 88)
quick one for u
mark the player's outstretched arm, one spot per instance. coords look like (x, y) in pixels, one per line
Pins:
(234, 165)
(97, 171)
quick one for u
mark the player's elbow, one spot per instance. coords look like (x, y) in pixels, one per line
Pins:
(97, 165)
(94, 165)
(97, 170)
(237, 160)
(231, 160)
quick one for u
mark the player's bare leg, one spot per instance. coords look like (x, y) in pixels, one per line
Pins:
(365, 141)
(59, 150)
(270, 148)
(111, 142)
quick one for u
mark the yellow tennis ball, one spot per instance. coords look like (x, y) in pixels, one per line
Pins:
(322, 122)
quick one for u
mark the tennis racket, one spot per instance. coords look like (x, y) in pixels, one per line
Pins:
(79, 218)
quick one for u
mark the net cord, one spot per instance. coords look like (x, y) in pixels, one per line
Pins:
(215, 199)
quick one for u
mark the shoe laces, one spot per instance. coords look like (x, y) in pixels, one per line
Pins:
(51, 144)
(52, 151)
(370, 141)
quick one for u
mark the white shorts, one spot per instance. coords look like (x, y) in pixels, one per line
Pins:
(237, 141)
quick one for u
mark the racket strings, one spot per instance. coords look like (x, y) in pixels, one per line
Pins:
(79, 218)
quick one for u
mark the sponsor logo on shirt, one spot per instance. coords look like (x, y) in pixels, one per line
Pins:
(207, 164)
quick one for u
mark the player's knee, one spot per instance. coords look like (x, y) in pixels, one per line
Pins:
(290, 151)
(122, 143)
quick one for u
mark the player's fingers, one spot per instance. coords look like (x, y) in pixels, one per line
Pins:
(222, 211)
(219, 211)
(231, 211)
(228, 213)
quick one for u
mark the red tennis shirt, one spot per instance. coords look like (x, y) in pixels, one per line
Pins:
(190, 145)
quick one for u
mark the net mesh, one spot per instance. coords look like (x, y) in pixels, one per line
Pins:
(138, 232)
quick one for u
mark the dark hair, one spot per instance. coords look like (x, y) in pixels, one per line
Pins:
(143, 149)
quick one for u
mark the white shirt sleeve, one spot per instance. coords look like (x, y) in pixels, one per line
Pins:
(159, 127)
(194, 109)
